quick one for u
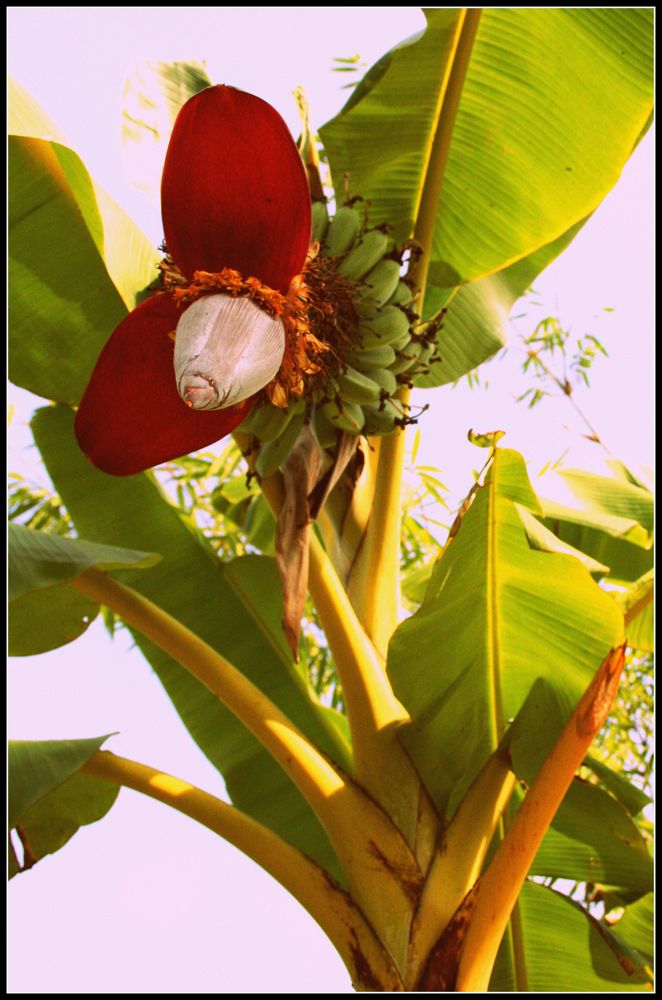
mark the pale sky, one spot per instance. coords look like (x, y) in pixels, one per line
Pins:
(147, 900)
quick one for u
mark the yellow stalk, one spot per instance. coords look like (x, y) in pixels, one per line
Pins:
(441, 134)
(374, 583)
(460, 855)
(488, 910)
(380, 869)
(381, 765)
(326, 902)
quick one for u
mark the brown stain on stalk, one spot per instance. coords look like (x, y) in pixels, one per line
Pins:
(365, 977)
(595, 705)
(440, 971)
(409, 878)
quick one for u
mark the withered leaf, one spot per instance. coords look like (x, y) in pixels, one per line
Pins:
(309, 475)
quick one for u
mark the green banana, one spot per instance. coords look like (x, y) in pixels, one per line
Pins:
(347, 417)
(388, 325)
(402, 296)
(381, 419)
(385, 379)
(380, 283)
(407, 357)
(427, 352)
(402, 343)
(363, 257)
(267, 422)
(343, 232)
(375, 357)
(320, 221)
(273, 453)
(355, 387)
(325, 432)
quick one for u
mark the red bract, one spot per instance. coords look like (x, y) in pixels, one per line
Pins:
(234, 194)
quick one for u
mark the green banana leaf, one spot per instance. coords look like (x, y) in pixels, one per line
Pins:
(545, 540)
(48, 799)
(561, 947)
(76, 263)
(491, 231)
(638, 601)
(608, 518)
(128, 255)
(636, 926)
(44, 611)
(532, 735)
(627, 794)
(497, 616)
(195, 587)
(626, 558)
(558, 97)
(594, 839)
(476, 325)
(611, 496)
(153, 94)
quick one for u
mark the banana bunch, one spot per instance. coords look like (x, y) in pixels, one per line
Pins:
(389, 347)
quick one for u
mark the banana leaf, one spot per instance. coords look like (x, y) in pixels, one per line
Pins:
(586, 74)
(559, 946)
(497, 616)
(559, 97)
(48, 799)
(636, 926)
(76, 263)
(44, 612)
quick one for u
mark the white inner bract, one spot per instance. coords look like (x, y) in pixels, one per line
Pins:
(226, 349)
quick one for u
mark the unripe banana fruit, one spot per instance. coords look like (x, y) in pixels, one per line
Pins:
(368, 251)
(380, 284)
(342, 233)
(345, 416)
(385, 326)
(320, 221)
(355, 387)
(389, 345)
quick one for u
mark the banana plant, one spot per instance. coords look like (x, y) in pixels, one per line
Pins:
(421, 824)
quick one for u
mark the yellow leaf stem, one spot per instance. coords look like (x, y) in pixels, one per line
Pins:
(466, 952)
(441, 134)
(374, 585)
(326, 902)
(380, 868)
(374, 713)
(374, 582)
(460, 855)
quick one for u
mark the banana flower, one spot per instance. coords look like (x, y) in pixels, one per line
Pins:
(181, 370)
